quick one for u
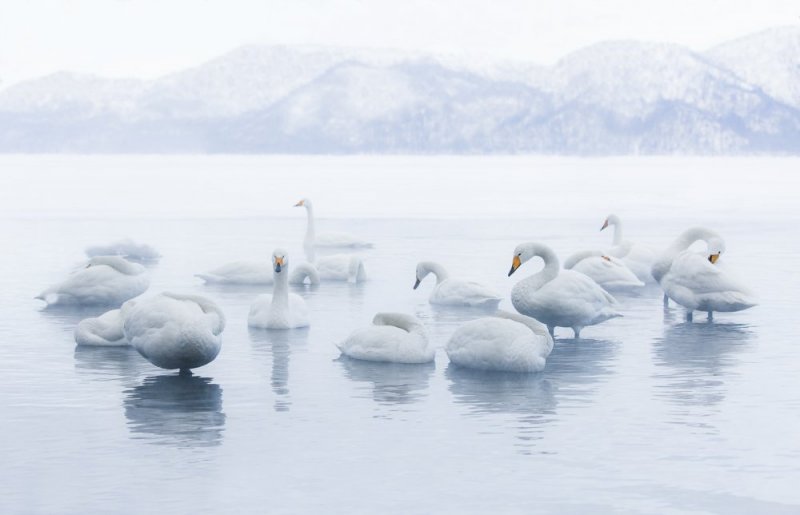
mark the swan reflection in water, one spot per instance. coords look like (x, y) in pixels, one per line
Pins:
(693, 360)
(278, 345)
(390, 384)
(181, 409)
(572, 371)
(122, 364)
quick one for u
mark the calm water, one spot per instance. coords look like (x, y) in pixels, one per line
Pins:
(646, 414)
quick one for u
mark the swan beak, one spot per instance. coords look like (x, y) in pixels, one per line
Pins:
(606, 257)
(605, 224)
(713, 258)
(278, 264)
(514, 265)
(416, 283)
(299, 203)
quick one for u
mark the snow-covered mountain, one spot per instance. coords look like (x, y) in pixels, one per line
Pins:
(614, 97)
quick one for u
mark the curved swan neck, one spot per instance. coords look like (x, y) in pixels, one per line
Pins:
(117, 263)
(400, 320)
(431, 267)
(303, 271)
(534, 325)
(551, 264)
(662, 265)
(577, 257)
(617, 223)
(206, 306)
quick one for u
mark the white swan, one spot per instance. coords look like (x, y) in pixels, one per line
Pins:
(559, 298)
(507, 342)
(695, 280)
(102, 331)
(337, 267)
(328, 239)
(393, 337)
(607, 271)
(257, 273)
(174, 331)
(664, 261)
(106, 280)
(637, 257)
(455, 292)
(127, 248)
(281, 310)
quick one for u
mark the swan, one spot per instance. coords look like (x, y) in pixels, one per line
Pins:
(173, 330)
(257, 273)
(506, 342)
(664, 261)
(559, 298)
(393, 338)
(102, 331)
(106, 280)
(607, 271)
(328, 239)
(336, 267)
(455, 292)
(695, 281)
(281, 309)
(127, 248)
(637, 257)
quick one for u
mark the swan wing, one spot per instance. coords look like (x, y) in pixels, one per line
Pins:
(240, 272)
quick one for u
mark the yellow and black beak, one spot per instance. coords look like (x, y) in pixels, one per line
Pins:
(514, 265)
(713, 258)
(300, 203)
(605, 224)
(416, 283)
(278, 264)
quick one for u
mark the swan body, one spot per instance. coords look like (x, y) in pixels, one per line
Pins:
(341, 267)
(106, 280)
(174, 331)
(559, 298)
(257, 273)
(455, 292)
(697, 282)
(102, 331)
(329, 239)
(607, 271)
(507, 342)
(393, 338)
(281, 309)
(127, 248)
(637, 257)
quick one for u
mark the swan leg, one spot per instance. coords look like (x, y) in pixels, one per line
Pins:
(689, 316)
(711, 315)
(552, 330)
(577, 331)
(666, 301)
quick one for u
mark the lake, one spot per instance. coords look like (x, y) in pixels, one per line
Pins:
(644, 414)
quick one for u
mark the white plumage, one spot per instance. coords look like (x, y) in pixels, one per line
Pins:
(106, 280)
(392, 337)
(281, 309)
(127, 248)
(607, 271)
(454, 291)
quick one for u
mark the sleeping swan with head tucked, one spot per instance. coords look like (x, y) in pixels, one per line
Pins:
(106, 280)
(392, 338)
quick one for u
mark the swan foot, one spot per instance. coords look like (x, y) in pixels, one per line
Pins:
(689, 316)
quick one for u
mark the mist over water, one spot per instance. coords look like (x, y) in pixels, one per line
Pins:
(646, 413)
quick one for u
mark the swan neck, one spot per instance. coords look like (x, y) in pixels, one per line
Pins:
(436, 269)
(399, 320)
(310, 238)
(280, 292)
(546, 274)
(618, 232)
(577, 257)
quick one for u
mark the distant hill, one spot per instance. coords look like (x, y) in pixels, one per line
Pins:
(616, 97)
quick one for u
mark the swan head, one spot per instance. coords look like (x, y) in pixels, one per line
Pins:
(716, 246)
(422, 273)
(610, 220)
(303, 202)
(522, 254)
(280, 260)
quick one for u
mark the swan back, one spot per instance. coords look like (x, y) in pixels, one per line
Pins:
(118, 263)
(663, 263)
(102, 331)
(393, 337)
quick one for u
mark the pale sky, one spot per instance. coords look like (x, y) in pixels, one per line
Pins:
(147, 38)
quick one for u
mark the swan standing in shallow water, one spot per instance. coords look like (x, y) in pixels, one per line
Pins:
(328, 239)
(126, 248)
(638, 258)
(559, 298)
(106, 280)
(507, 342)
(337, 267)
(455, 292)
(393, 338)
(102, 331)
(281, 310)
(609, 272)
(695, 281)
(173, 331)
(681, 244)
